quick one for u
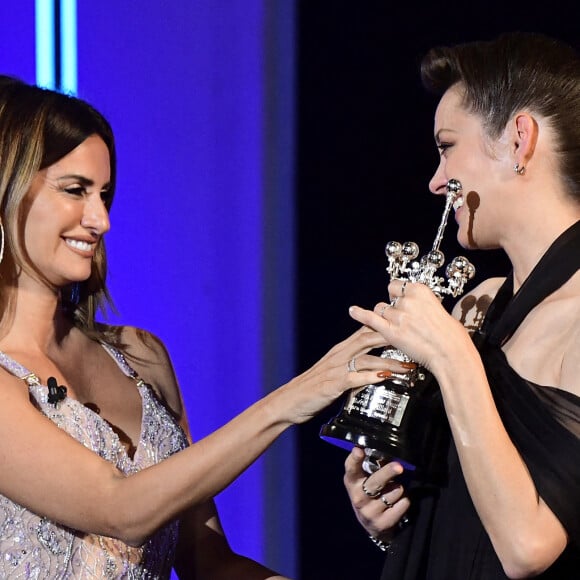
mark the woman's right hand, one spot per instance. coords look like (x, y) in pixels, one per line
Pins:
(346, 366)
(378, 500)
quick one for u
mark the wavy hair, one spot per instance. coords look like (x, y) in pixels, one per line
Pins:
(38, 127)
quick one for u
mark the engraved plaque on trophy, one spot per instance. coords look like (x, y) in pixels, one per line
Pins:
(402, 418)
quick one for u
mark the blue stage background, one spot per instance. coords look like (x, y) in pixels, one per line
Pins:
(201, 246)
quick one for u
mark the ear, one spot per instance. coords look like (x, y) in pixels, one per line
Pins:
(525, 137)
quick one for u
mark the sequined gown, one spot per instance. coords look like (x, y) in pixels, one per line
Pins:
(35, 548)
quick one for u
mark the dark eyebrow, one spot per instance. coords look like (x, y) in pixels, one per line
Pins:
(85, 181)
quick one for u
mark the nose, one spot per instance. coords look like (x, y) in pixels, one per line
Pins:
(438, 183)
(96, 216)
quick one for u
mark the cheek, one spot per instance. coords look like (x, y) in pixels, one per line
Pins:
(472, 201)
(37, 232)
(469, 165)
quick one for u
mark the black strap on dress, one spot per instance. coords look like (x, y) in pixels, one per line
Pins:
(508, 310)
(549, 450)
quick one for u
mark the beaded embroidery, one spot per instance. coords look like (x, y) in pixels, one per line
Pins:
(35, 548)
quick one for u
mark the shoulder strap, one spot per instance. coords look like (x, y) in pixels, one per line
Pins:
(16, 369)
(556, 266)
(122, 363)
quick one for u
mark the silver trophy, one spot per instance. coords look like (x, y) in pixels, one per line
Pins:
(402, 417)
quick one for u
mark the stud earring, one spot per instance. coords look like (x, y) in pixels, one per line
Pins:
(520, 170)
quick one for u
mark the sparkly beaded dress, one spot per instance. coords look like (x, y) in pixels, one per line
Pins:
(35, 548)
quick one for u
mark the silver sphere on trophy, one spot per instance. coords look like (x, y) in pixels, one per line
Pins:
(402, 418)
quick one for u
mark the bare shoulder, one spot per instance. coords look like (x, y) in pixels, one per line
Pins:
(472, 307)
(149, 357)
(570, 370)
(12, 389)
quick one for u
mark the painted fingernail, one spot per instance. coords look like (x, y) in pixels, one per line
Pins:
(385, 374)
(409, 365)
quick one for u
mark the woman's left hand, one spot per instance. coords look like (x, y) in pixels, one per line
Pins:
(415, 322)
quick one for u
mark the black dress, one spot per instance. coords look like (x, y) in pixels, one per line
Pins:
(445, 539)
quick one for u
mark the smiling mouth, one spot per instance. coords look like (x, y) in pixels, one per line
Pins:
(80, 245)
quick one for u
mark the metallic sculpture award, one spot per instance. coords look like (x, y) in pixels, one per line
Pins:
(402, 418)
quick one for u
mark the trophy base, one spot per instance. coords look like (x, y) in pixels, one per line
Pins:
(413, 430)
(338, 432)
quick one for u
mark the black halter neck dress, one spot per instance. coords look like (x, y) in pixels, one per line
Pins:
(445, 539)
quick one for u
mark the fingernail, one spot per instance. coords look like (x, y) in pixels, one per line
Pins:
(409, 365)
(384, 374)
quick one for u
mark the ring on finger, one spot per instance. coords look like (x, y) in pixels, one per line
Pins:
(351, 365)
(394, 301)
(387, 502)
(382, 309)
(403, 288)
(373, 494)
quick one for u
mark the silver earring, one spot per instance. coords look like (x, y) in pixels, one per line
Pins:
(520, 170)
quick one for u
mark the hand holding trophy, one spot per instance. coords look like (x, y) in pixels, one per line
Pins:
(402, 418)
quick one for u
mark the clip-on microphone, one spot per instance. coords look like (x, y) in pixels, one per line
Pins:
(56, 392)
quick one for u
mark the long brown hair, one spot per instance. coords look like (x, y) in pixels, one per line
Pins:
(37, 128)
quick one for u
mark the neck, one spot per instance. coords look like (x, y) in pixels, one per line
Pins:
(527, 244)
(38, 322)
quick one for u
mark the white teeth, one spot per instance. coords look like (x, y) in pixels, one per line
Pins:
(79, 245)
(457, 203)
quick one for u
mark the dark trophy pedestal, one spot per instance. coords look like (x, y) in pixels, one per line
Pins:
(390, 423)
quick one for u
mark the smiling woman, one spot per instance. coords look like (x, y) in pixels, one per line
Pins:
(68, 213)
(100, 478)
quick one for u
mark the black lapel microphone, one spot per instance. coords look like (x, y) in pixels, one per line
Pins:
(56, 392)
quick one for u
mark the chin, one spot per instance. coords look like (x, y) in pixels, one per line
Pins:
(466, 241)
(468, 238)
(72, 278)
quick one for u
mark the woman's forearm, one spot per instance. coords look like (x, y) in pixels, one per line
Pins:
(525, 533)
